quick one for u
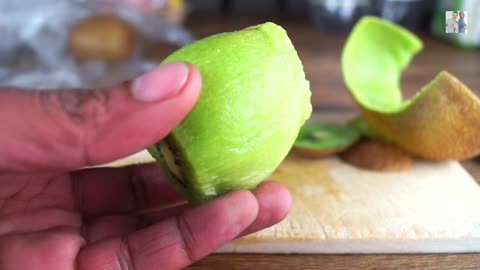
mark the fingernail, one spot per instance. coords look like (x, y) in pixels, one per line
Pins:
(161, 83)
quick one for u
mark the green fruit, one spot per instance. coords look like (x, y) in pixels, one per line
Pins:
(319, 140)
(439, 123)
(253, 102)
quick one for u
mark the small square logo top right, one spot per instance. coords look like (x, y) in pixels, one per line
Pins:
(456, 21)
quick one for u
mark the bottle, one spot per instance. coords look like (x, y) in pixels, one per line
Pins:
(340, 16)
(470, 38)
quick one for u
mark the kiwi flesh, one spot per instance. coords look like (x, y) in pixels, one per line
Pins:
(253, 101)
(323, 139)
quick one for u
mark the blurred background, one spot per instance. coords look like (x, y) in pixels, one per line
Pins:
(75, 44)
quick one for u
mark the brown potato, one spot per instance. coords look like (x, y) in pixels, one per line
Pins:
(102, 37)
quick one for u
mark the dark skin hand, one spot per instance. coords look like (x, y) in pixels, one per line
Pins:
(55, 215)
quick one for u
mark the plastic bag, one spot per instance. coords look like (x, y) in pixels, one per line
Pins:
(34, 52)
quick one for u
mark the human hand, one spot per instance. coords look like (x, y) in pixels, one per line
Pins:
(56, 217)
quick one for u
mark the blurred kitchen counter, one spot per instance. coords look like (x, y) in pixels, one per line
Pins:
(320, 54)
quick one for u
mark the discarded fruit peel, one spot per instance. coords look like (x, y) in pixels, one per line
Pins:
(377, 155)
(448, 130)
(318, 140)
(323, 139)
(253, 102)
(439, 123)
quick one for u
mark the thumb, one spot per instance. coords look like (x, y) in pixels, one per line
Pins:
(63, 130)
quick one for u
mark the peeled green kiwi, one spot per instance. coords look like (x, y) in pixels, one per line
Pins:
(254, 99)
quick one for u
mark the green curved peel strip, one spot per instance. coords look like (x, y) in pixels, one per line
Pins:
(439, 123)
(373, 58)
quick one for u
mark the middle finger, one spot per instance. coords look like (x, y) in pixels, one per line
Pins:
(126, 190)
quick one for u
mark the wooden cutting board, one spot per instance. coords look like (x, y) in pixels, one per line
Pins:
(337, 208)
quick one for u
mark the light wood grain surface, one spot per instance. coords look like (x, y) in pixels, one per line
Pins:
(338, 209)
(320, 54)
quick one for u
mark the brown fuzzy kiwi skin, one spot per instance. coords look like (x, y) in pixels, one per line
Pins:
(443, 123)
(377, 155)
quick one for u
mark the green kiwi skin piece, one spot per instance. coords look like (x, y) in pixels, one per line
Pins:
(322, 139)
(373, 57)
(439, 123)
(254, 99)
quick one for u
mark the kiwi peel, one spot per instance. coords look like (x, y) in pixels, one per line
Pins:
(364, 128)
(439, 123)
(323, 139)
(254, 99)
(377, 155)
